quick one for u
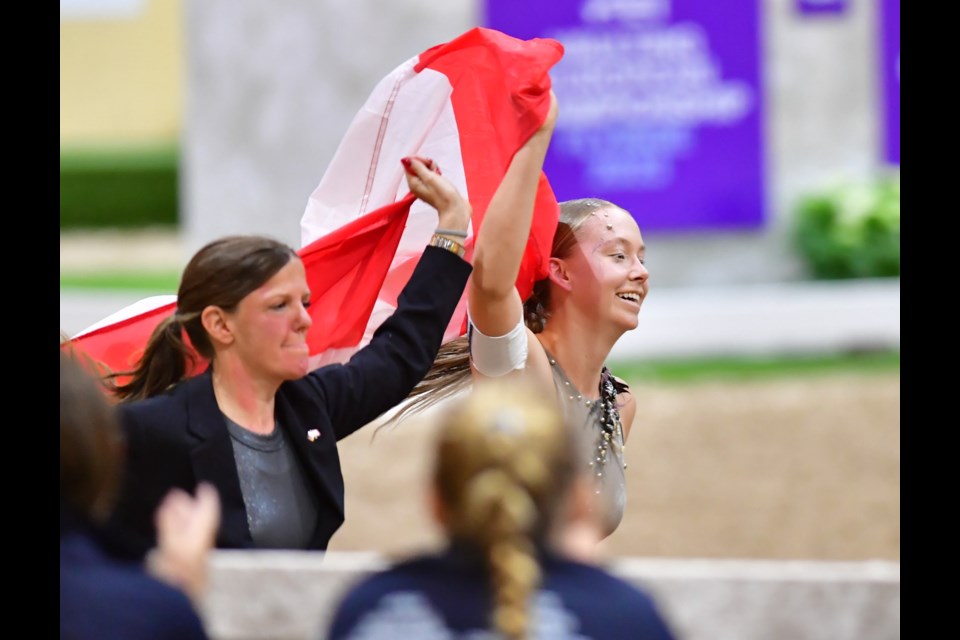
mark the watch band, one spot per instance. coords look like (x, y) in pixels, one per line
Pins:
(446, 243)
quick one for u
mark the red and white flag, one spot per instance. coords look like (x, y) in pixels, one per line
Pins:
(469, 105)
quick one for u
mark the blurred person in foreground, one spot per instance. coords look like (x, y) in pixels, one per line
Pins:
(104, 591)
(508, 487)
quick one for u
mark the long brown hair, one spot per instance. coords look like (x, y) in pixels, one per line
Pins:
(222, 273)
(91, 445)
(505, 461)
(450, 373)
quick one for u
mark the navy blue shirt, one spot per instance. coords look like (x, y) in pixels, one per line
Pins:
(448, 596)
(106, 595)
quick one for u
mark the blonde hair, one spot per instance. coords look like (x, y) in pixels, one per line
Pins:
(505, 461)
(573, 215)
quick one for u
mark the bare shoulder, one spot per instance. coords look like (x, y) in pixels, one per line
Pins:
(538, 365)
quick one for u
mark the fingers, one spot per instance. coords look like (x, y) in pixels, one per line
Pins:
(421, 173)
(174, 509)
(207, 508)
(424, 181)
(180, 513)
(408, 164)
(550, 121)
(186, 533)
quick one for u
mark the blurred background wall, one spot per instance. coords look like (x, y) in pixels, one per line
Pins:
(255, 97)
(121, 72)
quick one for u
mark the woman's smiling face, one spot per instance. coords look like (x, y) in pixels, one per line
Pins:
(607, 266)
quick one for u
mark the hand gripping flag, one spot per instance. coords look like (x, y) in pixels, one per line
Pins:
(469, 105)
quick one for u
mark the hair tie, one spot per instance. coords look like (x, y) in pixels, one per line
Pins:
(181, 317)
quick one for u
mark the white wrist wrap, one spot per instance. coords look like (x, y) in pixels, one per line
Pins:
(498, 356)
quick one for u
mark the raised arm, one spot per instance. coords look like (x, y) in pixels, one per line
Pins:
(494, 304)
(402, 350)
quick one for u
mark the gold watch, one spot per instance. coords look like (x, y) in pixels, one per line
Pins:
(446, 243)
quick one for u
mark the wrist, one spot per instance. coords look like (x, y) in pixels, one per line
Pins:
(455, 217)
(454, 234)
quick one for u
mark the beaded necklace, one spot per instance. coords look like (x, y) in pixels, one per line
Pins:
(606, 405)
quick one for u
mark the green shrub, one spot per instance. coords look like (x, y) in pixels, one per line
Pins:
(124, 188)
(851, 231)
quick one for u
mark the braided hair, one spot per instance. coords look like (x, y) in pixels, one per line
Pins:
(505, 461)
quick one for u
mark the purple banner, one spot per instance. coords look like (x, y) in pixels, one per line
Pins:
(890, 25)
(660, 106)
(821, 6)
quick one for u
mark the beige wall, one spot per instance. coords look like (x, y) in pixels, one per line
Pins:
(121, 76)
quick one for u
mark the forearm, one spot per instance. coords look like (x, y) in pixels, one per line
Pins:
(502, 240)
(402, 349)
(503, 234)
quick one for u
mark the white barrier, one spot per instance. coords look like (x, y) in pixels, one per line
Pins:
(743, 320)
(282, 595)
(761, 319)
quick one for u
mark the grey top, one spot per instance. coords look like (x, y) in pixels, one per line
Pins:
(281, 509)
(605, 452)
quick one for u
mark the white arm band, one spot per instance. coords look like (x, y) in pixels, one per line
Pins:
(495, 357)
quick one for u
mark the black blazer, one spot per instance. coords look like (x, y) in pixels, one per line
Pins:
(180, 438)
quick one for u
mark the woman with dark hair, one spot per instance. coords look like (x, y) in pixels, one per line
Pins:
(562, 335)
(257, 423)
(508, 481)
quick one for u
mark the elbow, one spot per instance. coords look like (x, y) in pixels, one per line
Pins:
(491, 285)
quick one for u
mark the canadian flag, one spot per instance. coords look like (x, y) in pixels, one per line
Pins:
(469, 105)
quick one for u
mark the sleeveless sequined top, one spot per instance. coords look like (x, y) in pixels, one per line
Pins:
(604, 437)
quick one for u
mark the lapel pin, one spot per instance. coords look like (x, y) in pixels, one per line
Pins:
(313, 434)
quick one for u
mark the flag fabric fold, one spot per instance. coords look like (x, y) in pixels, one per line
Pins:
(116, 343)
(469, 105)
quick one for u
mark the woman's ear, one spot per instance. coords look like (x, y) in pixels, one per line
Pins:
(215, 323)
(559, 274)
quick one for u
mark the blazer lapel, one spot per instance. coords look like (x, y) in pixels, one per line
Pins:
(316, 446)
(213, 461)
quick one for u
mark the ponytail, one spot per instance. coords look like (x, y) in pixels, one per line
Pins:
(166, 361)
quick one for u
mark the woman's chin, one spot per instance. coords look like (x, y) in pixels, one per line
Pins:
(625, 321)
(304, 367)
(298, 368)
